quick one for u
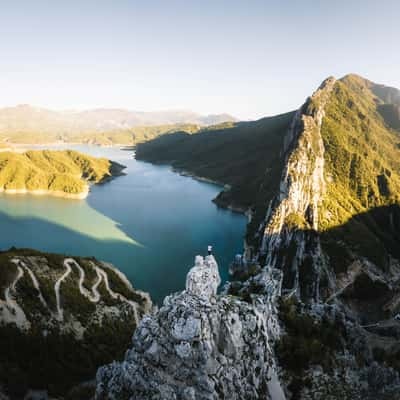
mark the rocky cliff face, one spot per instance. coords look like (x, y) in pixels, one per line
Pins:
(324, 230)
(301, 189)
(200, 345)
(311, 309)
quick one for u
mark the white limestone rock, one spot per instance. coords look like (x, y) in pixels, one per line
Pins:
(203, 279)
(199, 345)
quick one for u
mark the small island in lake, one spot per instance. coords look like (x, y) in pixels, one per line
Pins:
(63, 173)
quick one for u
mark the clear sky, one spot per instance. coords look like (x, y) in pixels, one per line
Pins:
(248, 58)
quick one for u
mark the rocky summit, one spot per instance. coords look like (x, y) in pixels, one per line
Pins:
(200, 345)
(323, 207)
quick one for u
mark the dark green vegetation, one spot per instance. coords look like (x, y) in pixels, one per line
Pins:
(362, 168)
(57, 355)
(373, 234)
(390, 358)
(58, 361)
(362, 154)
(357, 197)
(362, 157)
(54, 171)
(307, 342)
(246, 156)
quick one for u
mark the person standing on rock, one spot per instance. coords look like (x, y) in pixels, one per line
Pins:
(209, 249)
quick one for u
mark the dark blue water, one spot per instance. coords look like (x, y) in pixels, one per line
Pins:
(150, 224)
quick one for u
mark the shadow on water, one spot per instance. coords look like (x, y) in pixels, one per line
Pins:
(158, 265)
(173, 217)
(51, 237)
(150, 224)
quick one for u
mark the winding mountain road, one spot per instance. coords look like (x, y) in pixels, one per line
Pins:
(94, 295)
(35, 282)
(60, 310)
(118, 296)
(12, 312)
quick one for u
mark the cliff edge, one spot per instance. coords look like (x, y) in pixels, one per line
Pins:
(200, 345)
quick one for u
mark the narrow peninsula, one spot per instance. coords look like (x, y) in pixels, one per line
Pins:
(62, 173)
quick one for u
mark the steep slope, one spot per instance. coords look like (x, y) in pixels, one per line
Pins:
(330, 223)
(246, 157)
(390, 106)
(332, 230)
(64, 173)
(341, 177)
(301, 188)
(200, 346)
(60, 318)
(362, 169)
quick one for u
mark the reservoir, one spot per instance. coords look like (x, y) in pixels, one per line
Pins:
(149, 223)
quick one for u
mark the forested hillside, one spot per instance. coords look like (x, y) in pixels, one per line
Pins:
(64, 172)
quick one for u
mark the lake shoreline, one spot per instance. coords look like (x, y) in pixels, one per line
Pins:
(22, 147)
(225, 187)
(144, 223)
(45, 192)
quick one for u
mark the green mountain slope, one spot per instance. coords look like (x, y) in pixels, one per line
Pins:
(361, 159)
(60, 172)
(246, 156)
(60, 319)
(362, 168)
(323, 187)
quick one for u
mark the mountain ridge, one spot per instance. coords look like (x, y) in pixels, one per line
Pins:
(328, 222)
(312, 309)
(26, 118)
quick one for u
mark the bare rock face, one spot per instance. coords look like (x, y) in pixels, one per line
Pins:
(203, 279)
(301, 189)
(199, 346)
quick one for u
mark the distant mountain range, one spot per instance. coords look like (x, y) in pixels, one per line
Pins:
(28, 119)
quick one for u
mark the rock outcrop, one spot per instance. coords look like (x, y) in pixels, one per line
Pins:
(324, 225)
(296, 205)
(200, 345)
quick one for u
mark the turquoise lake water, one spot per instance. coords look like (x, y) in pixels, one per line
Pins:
(150, 223)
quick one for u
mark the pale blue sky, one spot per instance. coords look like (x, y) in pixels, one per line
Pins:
(247, 58)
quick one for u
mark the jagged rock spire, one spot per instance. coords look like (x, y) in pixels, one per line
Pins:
(203, 279)
(199, 345)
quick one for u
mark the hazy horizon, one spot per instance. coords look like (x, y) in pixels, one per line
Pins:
(77, 110)
(249, 60)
